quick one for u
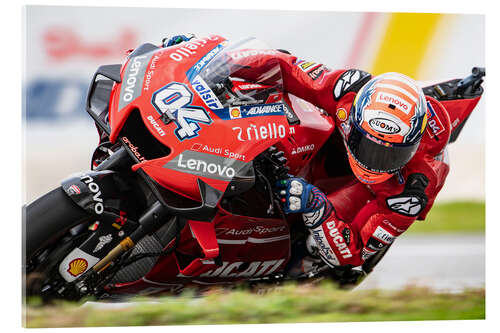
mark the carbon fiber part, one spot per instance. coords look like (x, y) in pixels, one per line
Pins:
(149, 244)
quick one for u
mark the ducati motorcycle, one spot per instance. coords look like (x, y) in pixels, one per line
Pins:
(180, 190)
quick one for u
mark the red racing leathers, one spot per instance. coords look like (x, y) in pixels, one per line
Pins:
(366, 218)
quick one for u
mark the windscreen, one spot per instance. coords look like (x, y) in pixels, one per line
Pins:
(242, 73)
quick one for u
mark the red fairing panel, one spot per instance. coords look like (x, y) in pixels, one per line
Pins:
(459, 109)
(306, 139)
(212, 148)
(248, 247)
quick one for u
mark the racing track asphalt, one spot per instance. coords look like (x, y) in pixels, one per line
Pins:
(449, 262)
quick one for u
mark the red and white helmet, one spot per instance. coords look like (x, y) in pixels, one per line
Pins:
(387, 120)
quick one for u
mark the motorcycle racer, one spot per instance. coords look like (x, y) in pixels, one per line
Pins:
(395, 140)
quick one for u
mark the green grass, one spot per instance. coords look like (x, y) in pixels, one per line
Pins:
(288, 304)
(460, 216)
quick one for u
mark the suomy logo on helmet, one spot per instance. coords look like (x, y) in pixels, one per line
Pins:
(384, 126)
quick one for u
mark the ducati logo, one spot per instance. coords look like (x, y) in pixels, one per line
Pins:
(241, 269)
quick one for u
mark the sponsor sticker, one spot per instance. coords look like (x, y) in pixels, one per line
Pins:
(243, 54)
(346, 129)
(274, 109)
(103, 240)
(120, 221)
(96, 193)
(156, 126)
(151, 71)
(75, 264)
(198, 67)
(205, 165)
(387, 222)
(133, 149)
(347, 235)
(316, 73)
(262, 132)
(384, 126)
(186, 50)
(73, 190)
(366, 253)
(338, 239)
(254, 269)
(324, 249)
(217, 150)
(206, 94)
(133, 77)
(259, 230)
(374, 244)
(384, 235)
(250, 86)
(306, 65)
(397, 101)
(434, 124)
(235, 112)
(342, 114)
(303, 149)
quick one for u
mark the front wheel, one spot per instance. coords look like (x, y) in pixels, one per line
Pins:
(52, 226)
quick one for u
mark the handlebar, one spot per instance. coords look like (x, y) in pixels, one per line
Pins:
(474, 80)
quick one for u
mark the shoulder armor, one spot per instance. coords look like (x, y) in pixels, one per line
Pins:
(350, 80)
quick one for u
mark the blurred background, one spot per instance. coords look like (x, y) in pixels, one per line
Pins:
(65, 45)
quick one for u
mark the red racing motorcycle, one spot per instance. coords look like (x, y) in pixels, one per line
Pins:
(180, 191)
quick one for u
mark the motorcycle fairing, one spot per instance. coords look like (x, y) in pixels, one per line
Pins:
(96, 191)
(307, 137)
(229, 249)
(220, 140)
(459, 97)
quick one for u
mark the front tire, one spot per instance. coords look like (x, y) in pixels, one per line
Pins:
(52, 226)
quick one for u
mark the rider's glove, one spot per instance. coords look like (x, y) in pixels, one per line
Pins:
(174, 40)
(298, 196)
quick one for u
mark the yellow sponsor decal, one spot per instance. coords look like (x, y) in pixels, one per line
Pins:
(77, 266)
(235, 113)
(342, 114)
(305, 65)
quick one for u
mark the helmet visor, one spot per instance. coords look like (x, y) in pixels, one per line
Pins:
(376, 155)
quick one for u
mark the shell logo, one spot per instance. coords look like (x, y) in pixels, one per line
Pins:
(235, 113)
(77, 266)
(341, 114)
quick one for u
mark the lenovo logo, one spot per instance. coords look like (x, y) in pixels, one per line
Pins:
(205, 165)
